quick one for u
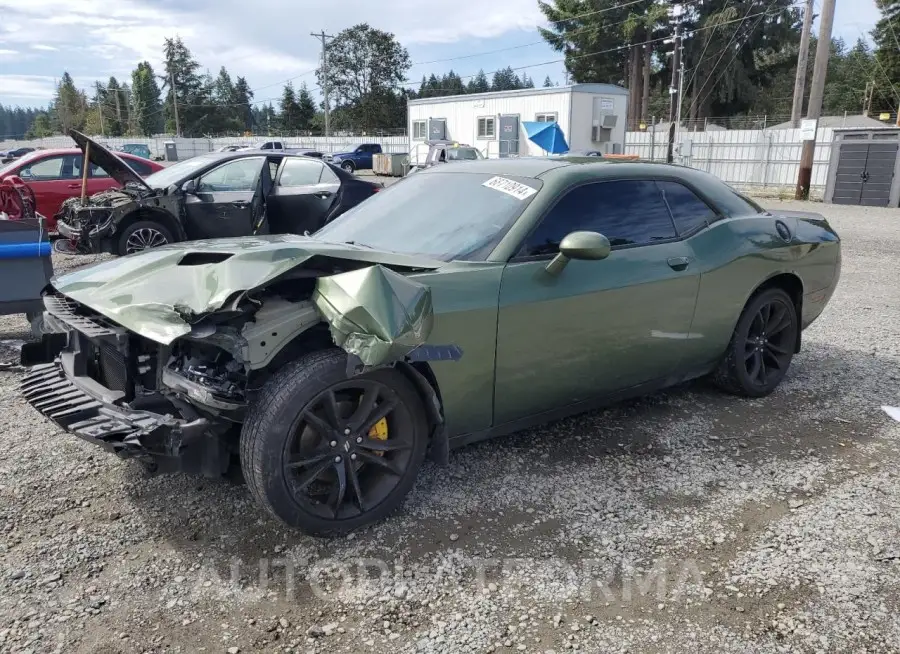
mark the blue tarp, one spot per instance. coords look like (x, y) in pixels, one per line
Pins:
(548, 136)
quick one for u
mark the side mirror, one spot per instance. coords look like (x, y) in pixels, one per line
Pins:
(589, 246)
(25, 174)
(189, 187)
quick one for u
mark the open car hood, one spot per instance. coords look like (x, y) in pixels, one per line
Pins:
(112, 164)
(374, 310)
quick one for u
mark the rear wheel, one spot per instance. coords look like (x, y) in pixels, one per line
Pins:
(143, 235)
(761, 347)
(327, 454)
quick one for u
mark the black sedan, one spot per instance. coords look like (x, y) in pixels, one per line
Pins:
(215, 195)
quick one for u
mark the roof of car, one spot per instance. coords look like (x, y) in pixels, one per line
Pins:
(57, 151)
(520, 167)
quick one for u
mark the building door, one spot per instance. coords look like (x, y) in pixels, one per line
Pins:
(865, 173)
(509, 136)
(437, 129)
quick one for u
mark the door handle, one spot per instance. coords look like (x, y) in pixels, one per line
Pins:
(678, 263)
(74, 186)
(324, 194)
(240, 204)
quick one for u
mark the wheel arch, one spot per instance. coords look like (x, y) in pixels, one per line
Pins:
(791, 284)
(156, 215)
(420, 373)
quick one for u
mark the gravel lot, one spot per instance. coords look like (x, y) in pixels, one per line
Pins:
(687, 521)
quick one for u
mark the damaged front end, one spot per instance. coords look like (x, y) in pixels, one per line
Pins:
(87, 224)
(174, 392)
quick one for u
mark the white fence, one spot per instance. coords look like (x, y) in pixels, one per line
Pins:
(752, 159)
(192, 147)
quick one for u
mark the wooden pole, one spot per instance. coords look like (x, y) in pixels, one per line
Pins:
(84, 170)
(802, 58)
(816, 92)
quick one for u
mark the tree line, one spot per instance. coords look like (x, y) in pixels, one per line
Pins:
(740, 56)
(739, 59)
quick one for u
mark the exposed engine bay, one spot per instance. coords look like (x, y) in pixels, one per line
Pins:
(151, 381)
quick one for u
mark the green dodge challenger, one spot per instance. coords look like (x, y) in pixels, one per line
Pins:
(465, 302)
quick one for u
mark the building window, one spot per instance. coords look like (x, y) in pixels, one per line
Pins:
(545, 118)
(487, 127)
(420, 130)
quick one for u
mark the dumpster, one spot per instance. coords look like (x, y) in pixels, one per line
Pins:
(390, 165)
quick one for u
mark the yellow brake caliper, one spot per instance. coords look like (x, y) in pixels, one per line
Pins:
(379, 431)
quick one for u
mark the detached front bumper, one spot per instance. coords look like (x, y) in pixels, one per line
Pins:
(89, 237)
(81, 378)
(124, 432)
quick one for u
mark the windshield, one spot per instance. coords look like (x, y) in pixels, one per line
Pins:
(441, 215)
(178, 172)
(460, 154)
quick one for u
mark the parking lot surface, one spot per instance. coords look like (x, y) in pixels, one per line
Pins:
(686, 521)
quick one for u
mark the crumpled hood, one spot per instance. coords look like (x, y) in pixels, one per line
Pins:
(112, 164)
(159, 293)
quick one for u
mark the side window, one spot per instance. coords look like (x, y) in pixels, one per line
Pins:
(629, 212)
(48, 169)
(328, 176)
(690, 212)
(240, 175)
(300, 172)
(97, 171)
(140, 167)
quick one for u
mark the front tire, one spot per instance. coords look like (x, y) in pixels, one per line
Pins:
(143, 235)
(348, 166)
(307, 449)
(762, 346)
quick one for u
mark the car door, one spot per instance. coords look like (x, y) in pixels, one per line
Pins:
(304, 191)
(53, 179)
(597, 327)
(221, 205)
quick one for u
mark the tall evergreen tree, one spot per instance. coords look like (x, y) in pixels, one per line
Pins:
(146, 109)
(887, 53)
(479, 83)
(192, 89)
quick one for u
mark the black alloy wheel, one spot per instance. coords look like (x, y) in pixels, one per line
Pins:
(762, 345)
(326, 453)
(769, 344)
(332, 464)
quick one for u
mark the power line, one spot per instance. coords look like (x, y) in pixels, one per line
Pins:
(728, 45)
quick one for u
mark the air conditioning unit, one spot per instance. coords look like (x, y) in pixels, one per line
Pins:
(600, 134)
(609, 121)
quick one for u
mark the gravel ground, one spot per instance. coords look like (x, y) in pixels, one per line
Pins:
(687, 521)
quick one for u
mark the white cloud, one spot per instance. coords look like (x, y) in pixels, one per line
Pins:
(38, 87)
(7, 53)
(43, 47)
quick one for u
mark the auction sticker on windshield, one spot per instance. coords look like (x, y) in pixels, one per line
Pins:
(516, 189)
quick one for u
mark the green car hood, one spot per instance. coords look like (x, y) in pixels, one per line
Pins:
(373, 310)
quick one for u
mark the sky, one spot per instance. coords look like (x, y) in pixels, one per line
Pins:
(270, 42)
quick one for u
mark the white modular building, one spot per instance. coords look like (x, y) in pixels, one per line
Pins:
(591, 116)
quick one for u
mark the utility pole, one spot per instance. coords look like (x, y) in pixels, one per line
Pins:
(802, 59)
(674, 95)
(867, 101)
(816, 92)
(323, 36)
(175, 104)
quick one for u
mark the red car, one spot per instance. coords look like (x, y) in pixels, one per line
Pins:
(55, 176)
